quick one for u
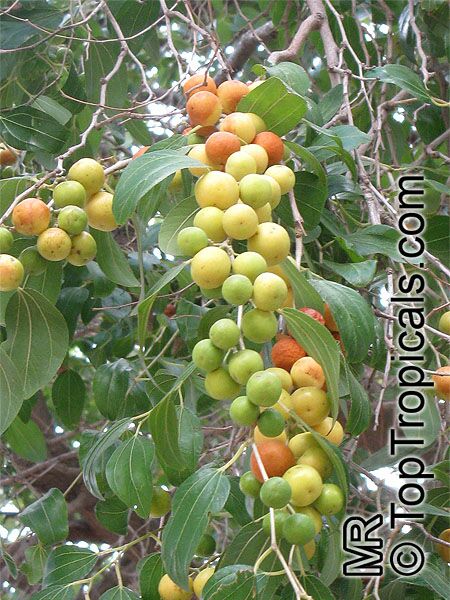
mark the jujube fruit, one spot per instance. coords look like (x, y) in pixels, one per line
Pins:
(258, 154)
(216, 189)
(210, 219)
(331, 500)
(284, 176)
(444, 551)
(239, 164)
(259, 326)
(6, 240)
(272, 144)
(285, 352)
(11, 273)
(32, 261)
(250, 264)
(230, 93)
(311, 405)
(220, 145)
(299, 529)
(275, 492)
(31, 216)
(206, 356)
(271, 423)
(220, 386)
(269, 292)
(241, 125)
(169, 590)
(243, 412)
(263, 388)
(314, 314)
(203, 108)
(279, 517)
(333, 433)
(210, 267)
(237, 289)
(243, 364)
(307, 372)
(160, 504)
(275, 457)
(240, 222)
(249, 485)
(100, 213)
(54, 244)
(89, 173)
(198, 152)
(69, 193)
(191, 240)
(442, 382)
(306, 484)
(271, 241)
(254, 189)
(72, 219)
(201, 82)
(224, 334)
(202, 579)
(444, 323)
(83, 250)
(317, 458)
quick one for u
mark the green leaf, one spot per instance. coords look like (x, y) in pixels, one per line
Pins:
(331, 102)
(10, 391)
(49, 282)
(50, 107)
(129, 475)
(9, 562)
(70, 304)
(26, 440)
(150, 570)
(206, 491)
(316, 589)
(280, 109)
(145, 306)
(68, 563)
(350, 136)
(353, 316)
(330, 565)
(437, 237)
(27, 128)
(55, 592)
(305, 294)
(32, 324)
(68, 397)
(119, 593)
(112, 513)
(310, 194)
(360, 413)
(358, 274)
(143, 174)
(47, 517)
(110, 386)
(12, 187)
(442, 471)
(236, 581)
(33, 567)
(235, 504)
(375, 239)
(312, 162)
(95, 454)
(321, 345)
(292, 75)
(432, 578)
(402, 77)
(180, 216)
(112, 260)
(100, 62)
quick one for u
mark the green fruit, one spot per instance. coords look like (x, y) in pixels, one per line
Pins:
(191, 240)
(237, 289)
(243, 364)
(206, 546)
(89, 173)
(84, 249)
(271, 423)
(206, 356)
(72, 219)
(243, 412)
(32, 261)
(6, 240)
(275, 492)
(220, 386)
(69, 193)
(224, 334)
(444, 323)
(249, 485)
(264, 389)
(331, 500)
(280, 517)
(259, 326)
(250, 264)
(161, 502)
(255, 190)
(299, 529)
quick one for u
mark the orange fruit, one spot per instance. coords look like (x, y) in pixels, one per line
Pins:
(285, 352)
(276, 457)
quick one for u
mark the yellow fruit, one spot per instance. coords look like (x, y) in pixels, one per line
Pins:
(302, 442)
(216, 189)
(169, 590)
(240, 222)
(210, 267)
(444, 551)
(284, 376)
(306, 484)
(99, 212)
(198, 152)
(284, 404)
(241, 124)
(257, 121)
(271, 241)
(311, 405)
(220, 386)
(284, 176)
(89, 173)
(239, 164)
(54, 244)
(276, 192)
(210, 220)
(317, 458)
(314, 514)
(258, 154)
(259, 438)
(307, 372)
(201, 580)
(264, 213)
(11, 273)
(269, 292)
(310, 549)
(333, 433)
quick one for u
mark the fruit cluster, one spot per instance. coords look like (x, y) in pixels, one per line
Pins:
(236, 191)
(60, 227)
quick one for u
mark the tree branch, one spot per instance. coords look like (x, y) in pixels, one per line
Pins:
(313, 22)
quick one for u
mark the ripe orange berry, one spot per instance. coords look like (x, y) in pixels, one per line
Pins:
(204, 108)
(329, 321)
(442, 382)
(272, 144)
(199, 83)
(315, 314)
(31, 216)
(220, 145)
(276, 457)
(285, 352)
(230, 93)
